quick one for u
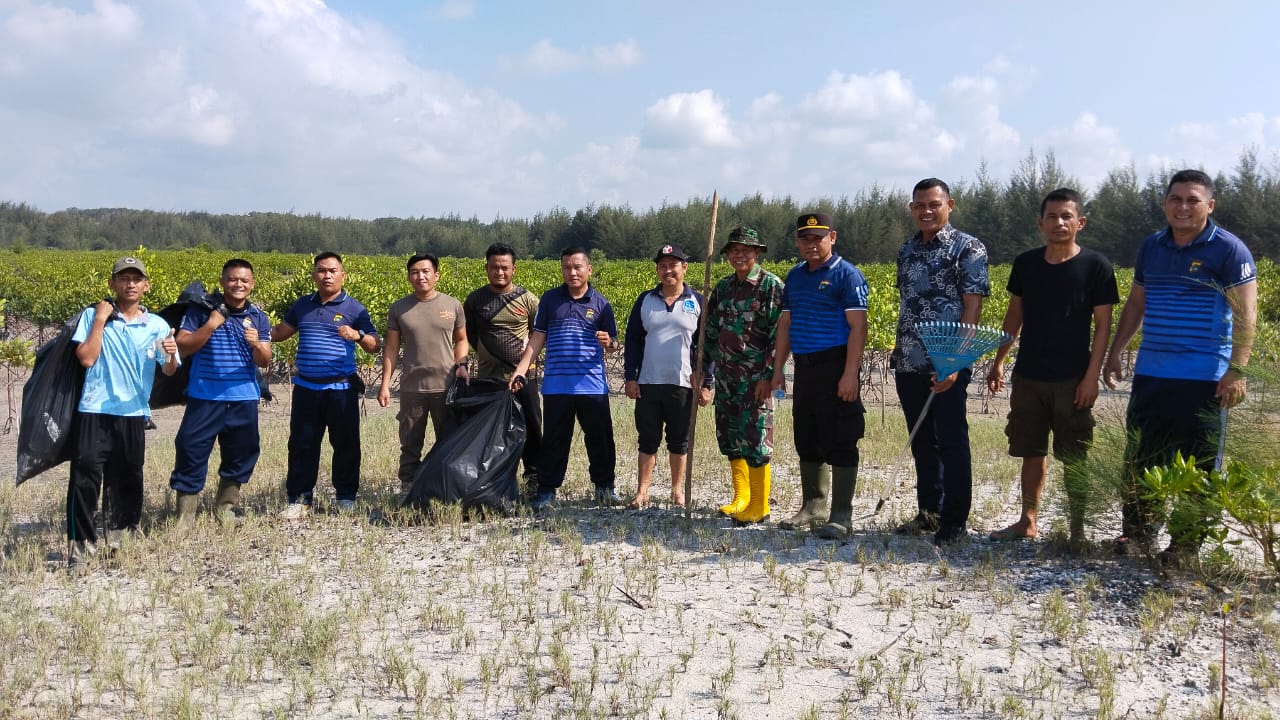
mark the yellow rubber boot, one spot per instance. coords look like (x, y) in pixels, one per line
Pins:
(758, 505)
(741, 488)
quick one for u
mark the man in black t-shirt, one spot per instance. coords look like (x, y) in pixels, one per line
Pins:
(1060, 299)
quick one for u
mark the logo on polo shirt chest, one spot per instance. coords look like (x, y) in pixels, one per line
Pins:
(337, 317)
(1195, 266)
(822, 286)
(590, 314)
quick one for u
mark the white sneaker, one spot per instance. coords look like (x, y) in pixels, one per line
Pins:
(295, 511)
(405, 489)
(346, 505)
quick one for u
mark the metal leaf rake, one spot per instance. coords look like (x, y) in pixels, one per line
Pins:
(951, 346)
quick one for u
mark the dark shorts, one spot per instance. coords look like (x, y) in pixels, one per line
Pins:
(663, 405)
(1037, 408)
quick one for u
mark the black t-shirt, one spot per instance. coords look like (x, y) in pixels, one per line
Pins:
(1057, 311)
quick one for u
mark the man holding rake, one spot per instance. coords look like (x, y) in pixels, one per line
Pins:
(942, 276)
(1055, 294)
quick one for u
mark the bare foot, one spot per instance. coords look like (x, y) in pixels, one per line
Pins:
(639, 502)
(677, 499)
(1018, 531)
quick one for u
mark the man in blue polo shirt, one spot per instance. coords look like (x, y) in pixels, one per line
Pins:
(119, 344)
(326, 391)
(824, 327)
(226, 345)
(1195, 296)
(576, 325)
(662, 334)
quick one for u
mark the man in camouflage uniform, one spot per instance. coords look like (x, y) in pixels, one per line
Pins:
(742, 322)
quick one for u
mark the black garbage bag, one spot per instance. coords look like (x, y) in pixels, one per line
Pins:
(476, 464)
(49, 401)
(167, 390)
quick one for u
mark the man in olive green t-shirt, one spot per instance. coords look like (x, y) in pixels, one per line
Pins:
(429, 327)
(499, 318)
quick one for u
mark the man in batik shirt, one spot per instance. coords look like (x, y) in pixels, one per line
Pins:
(942, 276)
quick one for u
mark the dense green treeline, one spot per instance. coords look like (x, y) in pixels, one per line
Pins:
(872, 223)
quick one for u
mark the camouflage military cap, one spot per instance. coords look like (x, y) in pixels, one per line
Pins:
(743, 235)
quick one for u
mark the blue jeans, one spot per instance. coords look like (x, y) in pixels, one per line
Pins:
(944, 467)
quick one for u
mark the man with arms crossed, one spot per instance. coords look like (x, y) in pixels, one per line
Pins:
(662, 334)
(576, 325)
(119, 344)
(429, 326)
(824, 325)
(1055, 293)
(226, 345)
(1195, 296)
(942, 276)
(329, 324)
(499, 320)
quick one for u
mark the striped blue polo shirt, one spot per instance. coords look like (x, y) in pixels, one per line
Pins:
(817, 300)
(574, 362)
(223, 369)
(1186, 322)
(323, 356)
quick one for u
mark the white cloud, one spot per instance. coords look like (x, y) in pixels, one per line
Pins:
(695, 119)
(305, 110)
(866, 98)
(546, 58)
(456, 9)
(621, 55)
(1088, 149)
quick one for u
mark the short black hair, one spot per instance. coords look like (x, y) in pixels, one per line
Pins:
(415, 259)
(234, 263)
(929, 184)
(574, 250)
(1195, 177)
(1062, 195)
(500, 249)
(326, 256)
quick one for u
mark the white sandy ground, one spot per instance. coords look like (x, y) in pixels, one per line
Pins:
(594, 613)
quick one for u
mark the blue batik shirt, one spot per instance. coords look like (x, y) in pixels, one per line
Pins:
(932, 279)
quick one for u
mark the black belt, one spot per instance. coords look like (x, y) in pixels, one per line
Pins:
(822, 356)
(327, 380)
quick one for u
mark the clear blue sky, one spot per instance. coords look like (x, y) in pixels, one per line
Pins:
(370, 108)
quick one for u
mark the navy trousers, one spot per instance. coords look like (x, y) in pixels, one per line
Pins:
(592, 413)
(314, 412)
(944, 466)
(233, 424)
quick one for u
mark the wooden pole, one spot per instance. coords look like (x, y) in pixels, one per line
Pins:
(697, 360)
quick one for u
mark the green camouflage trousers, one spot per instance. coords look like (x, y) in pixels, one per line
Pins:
(744, 426)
